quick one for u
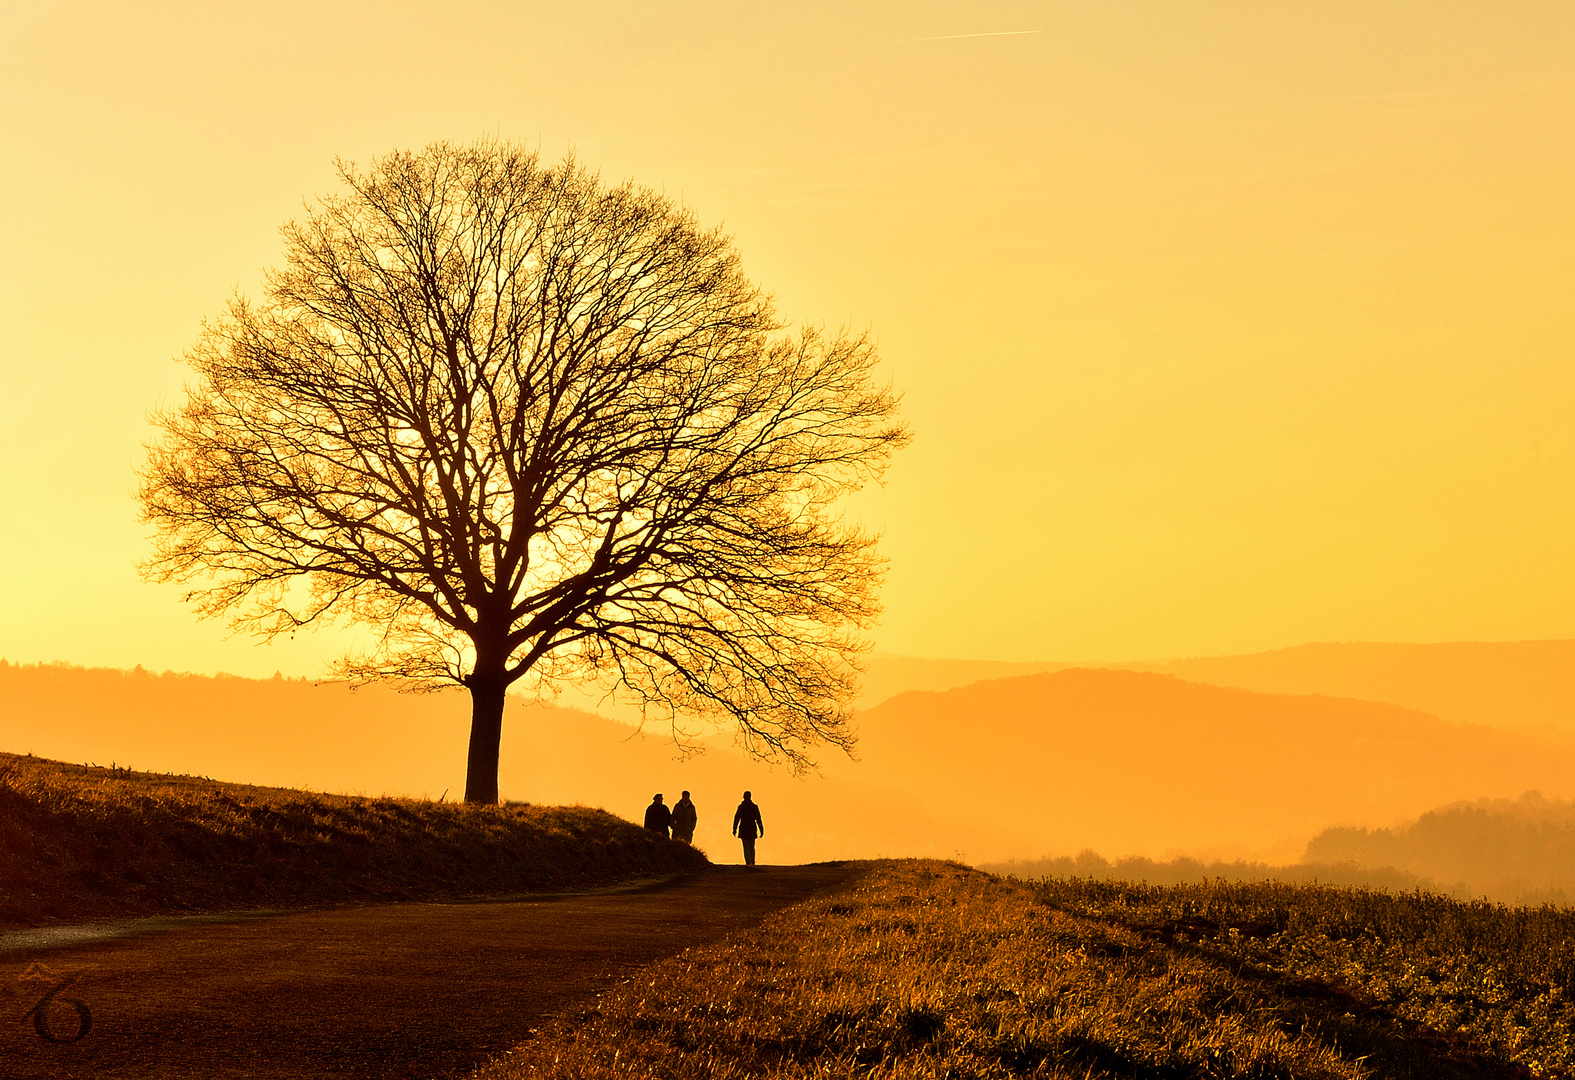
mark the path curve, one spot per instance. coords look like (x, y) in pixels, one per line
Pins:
(415, 990)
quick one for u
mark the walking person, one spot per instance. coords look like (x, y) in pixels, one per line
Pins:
(747, 825)
(657, 816)
(684, 818)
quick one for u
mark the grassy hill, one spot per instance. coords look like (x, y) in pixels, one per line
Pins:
(82, 842)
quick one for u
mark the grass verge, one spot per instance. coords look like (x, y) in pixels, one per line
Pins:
(925, 969)
(81, 842)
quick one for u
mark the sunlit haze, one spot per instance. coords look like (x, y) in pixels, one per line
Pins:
(1220, 327)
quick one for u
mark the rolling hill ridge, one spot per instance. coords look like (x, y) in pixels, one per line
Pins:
(1142, 763)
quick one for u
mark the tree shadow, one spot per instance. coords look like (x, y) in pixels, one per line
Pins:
(1357, 1024)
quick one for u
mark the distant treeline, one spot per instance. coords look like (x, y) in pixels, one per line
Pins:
(1514, 851)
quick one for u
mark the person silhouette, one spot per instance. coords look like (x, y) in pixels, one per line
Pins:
(684, 818)
(747, 825)
(657, 816)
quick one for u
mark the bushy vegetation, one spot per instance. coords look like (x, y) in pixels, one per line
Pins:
(926, 969)
(82, 841)
(1516, 851)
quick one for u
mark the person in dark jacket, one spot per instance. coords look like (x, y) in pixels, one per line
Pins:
(657, 816)
(684, 818)
(746, 826)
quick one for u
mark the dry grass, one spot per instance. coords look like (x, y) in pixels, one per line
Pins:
(1469, 982)
(1183, 871)
(927, 969)
(84, 842)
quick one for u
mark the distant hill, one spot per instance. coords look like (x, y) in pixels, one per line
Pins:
(1520, 850)
(887, 675)
(1506, 684)
(1137, 763)
(328, 737)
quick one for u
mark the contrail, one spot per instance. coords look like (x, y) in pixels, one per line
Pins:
(992, 33)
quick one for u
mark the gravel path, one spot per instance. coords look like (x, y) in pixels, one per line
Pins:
(421, 990)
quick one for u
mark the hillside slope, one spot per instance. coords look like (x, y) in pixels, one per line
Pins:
(79, 842)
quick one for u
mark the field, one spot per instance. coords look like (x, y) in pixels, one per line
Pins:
(927, 969)
(916, 969)
(87, 842)
(1183, 870)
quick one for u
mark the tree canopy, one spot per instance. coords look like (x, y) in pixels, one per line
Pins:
(525, 425)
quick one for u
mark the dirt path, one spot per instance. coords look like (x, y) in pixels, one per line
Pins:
(402, 990)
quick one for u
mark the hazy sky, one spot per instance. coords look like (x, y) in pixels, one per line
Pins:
(1222, 326)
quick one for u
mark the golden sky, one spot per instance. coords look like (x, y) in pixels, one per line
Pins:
(1222, 326)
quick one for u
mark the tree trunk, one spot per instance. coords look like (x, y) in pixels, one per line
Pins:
(486, 731)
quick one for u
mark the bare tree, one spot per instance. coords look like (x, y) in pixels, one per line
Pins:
(526, 425)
